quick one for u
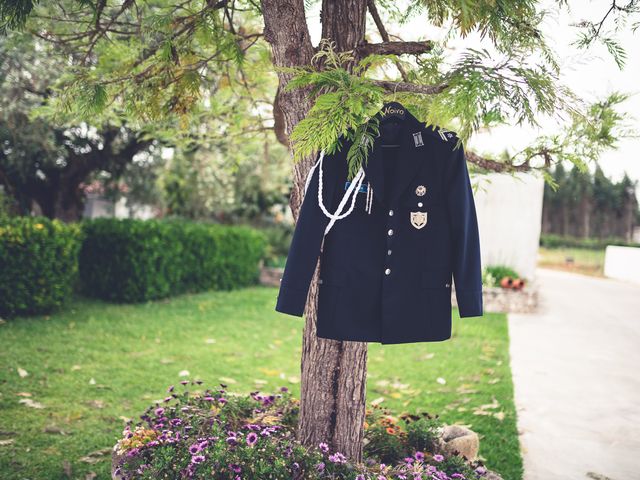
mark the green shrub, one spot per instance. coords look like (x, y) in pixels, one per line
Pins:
(498, 272)
(138, 260)
(549, 240)
(278, 241)
(38, 264)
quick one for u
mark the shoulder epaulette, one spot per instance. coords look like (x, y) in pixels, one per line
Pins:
(441, 133)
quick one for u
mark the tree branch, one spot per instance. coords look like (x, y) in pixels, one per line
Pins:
(394, 48)
(493, 165)
(373, 10)
(409, 87)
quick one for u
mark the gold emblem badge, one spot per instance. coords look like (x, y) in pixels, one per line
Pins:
(418, 219)
(421, 190)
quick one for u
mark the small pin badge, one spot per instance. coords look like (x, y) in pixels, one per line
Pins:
(421, 190)
(417, 138)
(418, 219)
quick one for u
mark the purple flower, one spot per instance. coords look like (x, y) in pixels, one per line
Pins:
(235, 468)
(458, 475)
(133, 452)
(438, 458)
(195, 448)
(159, 411)
(360, 477)
(184, 382)
(337, 458)
(222, 400)
(170, 389)
(481, 470)
(232, 441)
(284, 389)
(197, 459)
(419, 456)
(320, 467)
(408, 460)
(252, 438)
(324, 448)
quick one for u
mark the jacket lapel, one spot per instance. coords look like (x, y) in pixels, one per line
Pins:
(408, 157)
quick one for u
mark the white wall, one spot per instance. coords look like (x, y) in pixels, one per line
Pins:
(622, 263)
(509, 212)
(96, 206)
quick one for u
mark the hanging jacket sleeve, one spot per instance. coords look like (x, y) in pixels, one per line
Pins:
(306, 242)
(467, 271)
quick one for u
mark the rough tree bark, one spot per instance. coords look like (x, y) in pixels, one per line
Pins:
(333, 373)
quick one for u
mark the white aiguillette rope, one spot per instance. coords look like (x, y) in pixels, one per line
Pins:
(352, 191)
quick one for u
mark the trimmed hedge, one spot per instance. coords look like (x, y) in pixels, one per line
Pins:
(38, 264)
(549, 240)
(139, 260)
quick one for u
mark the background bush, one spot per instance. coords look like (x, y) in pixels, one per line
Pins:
(278, 241)
(38, 264)
(138, 260)
(549, 240)
(498, 272)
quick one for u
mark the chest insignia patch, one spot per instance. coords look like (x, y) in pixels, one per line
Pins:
(418, 219)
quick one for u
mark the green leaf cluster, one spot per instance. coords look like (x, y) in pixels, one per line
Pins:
(135, 260)
(39, 259)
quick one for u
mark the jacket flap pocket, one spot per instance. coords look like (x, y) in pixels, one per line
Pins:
(436, 278)
(332, 277)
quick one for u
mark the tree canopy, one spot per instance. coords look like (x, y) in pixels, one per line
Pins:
(172, 67)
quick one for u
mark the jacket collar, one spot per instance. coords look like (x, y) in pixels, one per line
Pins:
(409, 155)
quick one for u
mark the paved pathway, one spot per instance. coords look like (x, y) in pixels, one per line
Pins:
(576, 368)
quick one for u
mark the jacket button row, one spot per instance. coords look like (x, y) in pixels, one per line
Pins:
(390, 232)
(389, 252)
(390, 213)
(387, 271)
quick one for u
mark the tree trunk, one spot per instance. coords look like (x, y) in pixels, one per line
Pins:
(333, 373)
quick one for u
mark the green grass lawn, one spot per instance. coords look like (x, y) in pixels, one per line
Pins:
(95, 364)
(579, 260)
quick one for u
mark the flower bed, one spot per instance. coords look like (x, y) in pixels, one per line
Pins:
(216, 434)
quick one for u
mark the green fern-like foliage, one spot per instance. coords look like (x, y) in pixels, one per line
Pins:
(481, 88)
(345, 107)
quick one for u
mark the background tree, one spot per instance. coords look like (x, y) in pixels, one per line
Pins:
(590, 205)
(162, 61)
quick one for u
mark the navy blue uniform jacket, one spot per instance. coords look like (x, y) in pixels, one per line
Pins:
(383, 279)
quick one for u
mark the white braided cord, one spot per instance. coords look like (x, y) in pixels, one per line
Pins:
(355, 185)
